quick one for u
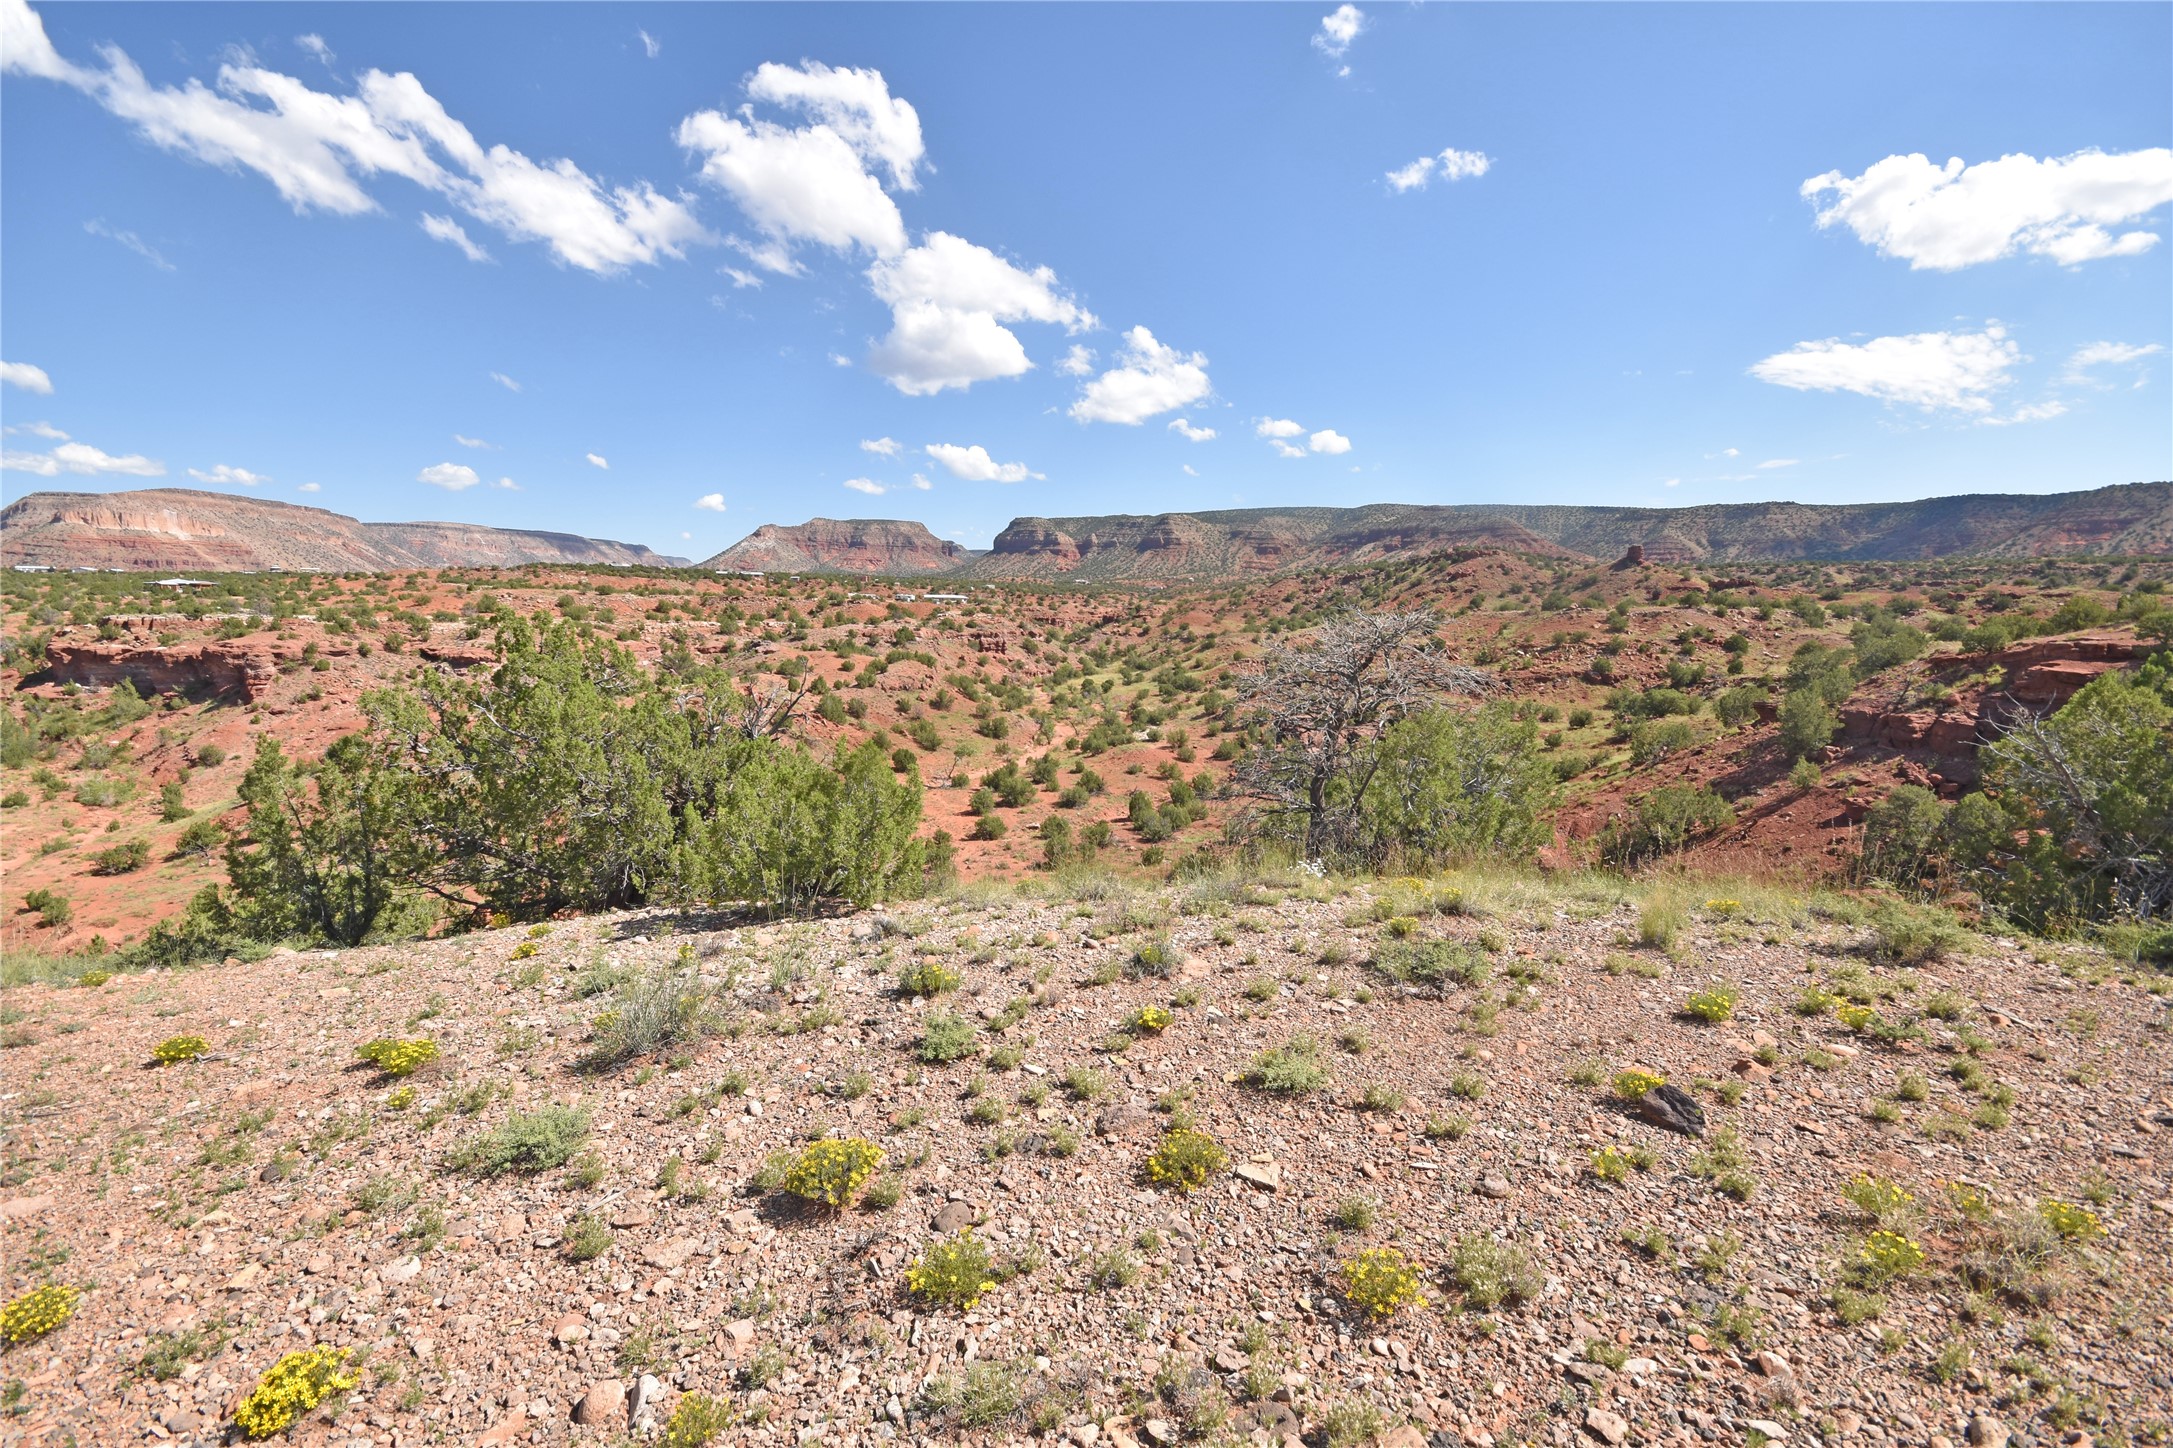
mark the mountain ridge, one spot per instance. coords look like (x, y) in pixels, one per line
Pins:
(2127, 518)
(187, 528)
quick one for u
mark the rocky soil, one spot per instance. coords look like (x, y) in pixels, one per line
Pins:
(279, 1193)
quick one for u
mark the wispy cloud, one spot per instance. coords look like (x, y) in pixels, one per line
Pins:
(221, 473)
(504, 381)
(97, 227)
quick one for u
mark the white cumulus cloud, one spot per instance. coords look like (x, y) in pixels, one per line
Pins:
(811, 183)
(1338, 28)
(1329, 441)
(27, 377)
(975, 465)
(1078, 362)
(221, 473)
(309, 487)
(710, 502)
(1184, 427)
(882, 447)
(508, 484)
(81, 457)
(1276, 427)
(1149, 378)
(1955, 371)
(1942, 218)
(1286, 450)
(1450, 165)
(318, 148)
(869, 486)
(948, 301)
(452, 477)
(445, 229)
(922, 483)
(596, 461)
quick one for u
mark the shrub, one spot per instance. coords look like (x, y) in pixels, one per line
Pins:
(2073, 1223)
(1663, 822)
(1635, 1084)
(587, 1238)
(37, 1312)
(1185, 1160)
(832, 1172)
(1715, 1004)
(1913, 934)
(1383, 1098)
(1380, 1280)
(295, 1385)
(122, 859)
(987, 1394)
(1885, 1256)
(696, 1420)
(398, 1058)
(201, 837)
(946, 1037)
(210, 756)
(1492, 1273)
(1157, 956)
(1432, 964)
(928, 978)
(1885, 1203)
(1150, 1019)
(1807, 721)
(1291, 1069)
(953, 1272)
(527, 1142)
(176, 1049)
(663, 1008)
(1656, 739)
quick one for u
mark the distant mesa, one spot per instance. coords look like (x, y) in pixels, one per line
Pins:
(885, 547)
(2131, 519)
(187, 530)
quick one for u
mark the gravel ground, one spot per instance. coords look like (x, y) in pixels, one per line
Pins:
(273, 1195)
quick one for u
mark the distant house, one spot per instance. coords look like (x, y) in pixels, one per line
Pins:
(182, 583)
(33, 568)
(906, 597)
(946, 598)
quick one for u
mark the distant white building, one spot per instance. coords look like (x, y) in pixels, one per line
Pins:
(946, 598)
(182, 583)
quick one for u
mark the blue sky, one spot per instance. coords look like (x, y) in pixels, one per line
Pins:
(1529, 253)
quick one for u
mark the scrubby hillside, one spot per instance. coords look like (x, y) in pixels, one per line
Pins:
(581, 1198)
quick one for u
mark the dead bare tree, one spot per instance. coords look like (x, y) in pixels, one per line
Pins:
(1324, 705)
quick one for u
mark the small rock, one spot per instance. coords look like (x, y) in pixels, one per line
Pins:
(407, 1269)
(1494, 1185)
(604, 1402)
(1161, 1430)
(1772, 1430)
(1671, 1108)
(667, 1255)
(1772, 1364)
(1266, 1175)
(955, 1217)
(508, 1227)
(510, 1429)
(570, 1329)
(740, 1333)
(1607, 1427)
(647, 1394)
(633, 1215)
(1121, 1120)
(1084, 1434)
(1403, 1437)
(1986, 1431)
